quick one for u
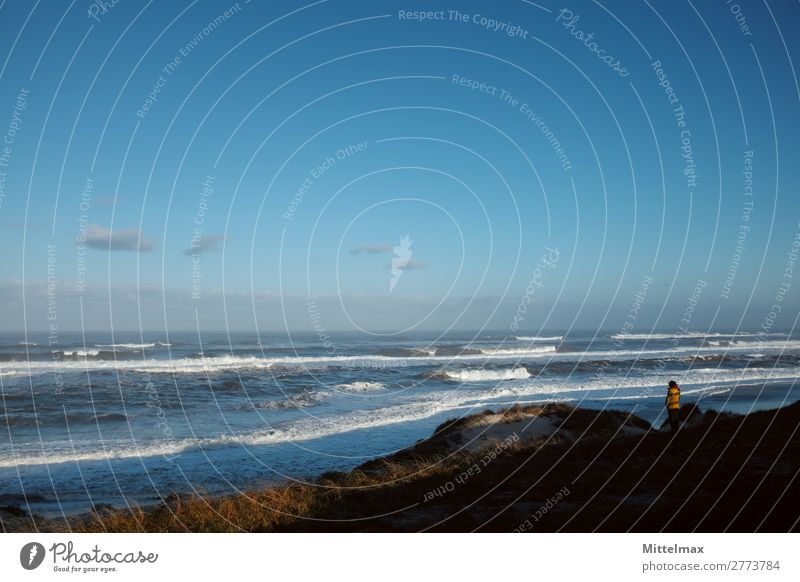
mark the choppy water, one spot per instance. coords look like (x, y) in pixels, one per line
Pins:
(105, 420)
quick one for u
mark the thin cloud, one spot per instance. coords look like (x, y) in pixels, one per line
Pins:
(372, 249)
(207, 243)
(128, 239)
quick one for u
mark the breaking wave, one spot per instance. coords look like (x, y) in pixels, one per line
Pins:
(361, 386)
(689, 335)
(519, 373)
(133, 346)
(81, 353)
(518, 351)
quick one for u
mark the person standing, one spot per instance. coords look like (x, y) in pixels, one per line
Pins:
(673, 403)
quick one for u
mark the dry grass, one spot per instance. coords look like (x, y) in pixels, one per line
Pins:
(264, 510)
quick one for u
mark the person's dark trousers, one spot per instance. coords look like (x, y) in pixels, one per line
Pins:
(674, 419)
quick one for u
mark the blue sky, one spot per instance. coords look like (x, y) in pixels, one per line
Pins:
(262, 96)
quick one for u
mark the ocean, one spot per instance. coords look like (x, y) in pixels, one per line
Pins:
(131, 418)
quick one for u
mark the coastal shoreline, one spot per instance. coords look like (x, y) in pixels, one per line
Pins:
(553, 467)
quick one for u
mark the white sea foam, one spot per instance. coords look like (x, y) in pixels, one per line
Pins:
(518, 351)
(733, 348)
(129, 346)
(766, 344)
(689, 335)
(81, 353)
(488, 375)
(361, 386)
(58, 454)
(534, 338)
(301, 430)
(203, 365)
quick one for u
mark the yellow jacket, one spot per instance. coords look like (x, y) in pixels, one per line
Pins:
(673, 398)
